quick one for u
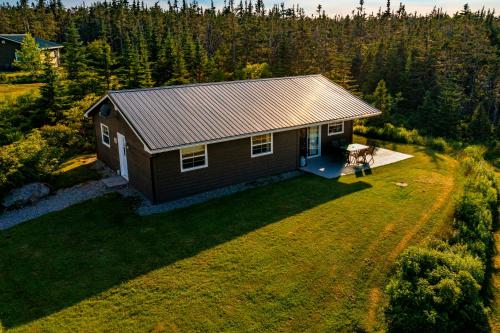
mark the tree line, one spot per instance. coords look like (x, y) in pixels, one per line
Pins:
(435, 72)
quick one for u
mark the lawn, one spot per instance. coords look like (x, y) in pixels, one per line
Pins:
(307, 254)
(75, 171)
(13, 91)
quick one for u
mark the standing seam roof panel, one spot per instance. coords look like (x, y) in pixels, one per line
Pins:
(171, 117)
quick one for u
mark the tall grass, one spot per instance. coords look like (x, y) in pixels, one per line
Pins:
(401, 134)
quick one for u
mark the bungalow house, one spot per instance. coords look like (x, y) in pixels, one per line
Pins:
(177, 141)
(10, 43)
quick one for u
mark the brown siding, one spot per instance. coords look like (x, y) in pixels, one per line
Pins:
(7, 53)
(228, 163)
(139, 162)
(326, 140)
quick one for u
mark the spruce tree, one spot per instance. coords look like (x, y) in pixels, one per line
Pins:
(28, 57)
(74, 59)
(51, 91)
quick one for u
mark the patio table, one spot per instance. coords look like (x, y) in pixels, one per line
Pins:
(352, 149)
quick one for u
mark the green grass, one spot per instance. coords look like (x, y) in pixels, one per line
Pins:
(307, 254)
(12, 91)
(75, 171)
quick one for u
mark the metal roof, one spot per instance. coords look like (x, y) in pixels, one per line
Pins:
(168, 118)
(42, 43)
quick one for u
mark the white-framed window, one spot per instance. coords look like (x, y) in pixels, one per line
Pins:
(336, 128)
(193, 158)
(105, 136)
(262, 145)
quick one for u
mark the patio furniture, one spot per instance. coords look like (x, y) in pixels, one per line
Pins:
(370, 152)
(356, 153)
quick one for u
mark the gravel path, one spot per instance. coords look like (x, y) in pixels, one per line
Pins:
(83, 192)
(60, 200)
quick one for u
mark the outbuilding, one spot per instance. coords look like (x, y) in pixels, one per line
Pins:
(10, 43)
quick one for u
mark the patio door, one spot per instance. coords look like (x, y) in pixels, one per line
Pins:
(313, 141)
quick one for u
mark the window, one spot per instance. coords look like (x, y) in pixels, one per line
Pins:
(193, 158)
(105, 135)
(336, 128)
(262, 145)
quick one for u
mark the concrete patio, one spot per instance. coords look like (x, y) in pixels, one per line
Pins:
(328, 167)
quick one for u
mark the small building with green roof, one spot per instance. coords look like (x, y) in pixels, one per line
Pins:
(10, 43)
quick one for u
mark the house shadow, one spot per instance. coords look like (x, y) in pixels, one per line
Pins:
(66, 257)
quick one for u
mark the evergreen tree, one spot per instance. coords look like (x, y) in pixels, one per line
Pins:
(100, 59)
(28, 57)
(164, 68)
(51, 91)
(74, 59)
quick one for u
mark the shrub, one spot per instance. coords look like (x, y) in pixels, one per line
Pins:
(436, 290)
(438, 144)
(473, 223)
(26, 160)
(392, 133)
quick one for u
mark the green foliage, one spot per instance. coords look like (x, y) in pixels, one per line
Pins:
(391, 133)
(440, 288)
(101, 60)
(28, 159)
(254, 71)
(436, 291)
(28, 57)
(51, 91)
(473, 224)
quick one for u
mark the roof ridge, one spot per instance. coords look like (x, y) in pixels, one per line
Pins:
(201, 84)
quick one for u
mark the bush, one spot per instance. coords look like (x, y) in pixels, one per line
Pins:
(439, 288)
(436, 290)
(392, 133)
(438, 144)
(29, 159)
(473, 224)
(400, 134)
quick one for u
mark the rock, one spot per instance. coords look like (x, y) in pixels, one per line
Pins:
(28, 194)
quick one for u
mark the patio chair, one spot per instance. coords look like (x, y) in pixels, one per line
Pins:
(369, 155)
(361, 156)
(355, 157)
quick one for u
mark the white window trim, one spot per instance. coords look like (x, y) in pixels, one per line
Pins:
(336, 133)
(198, 167)
(261, 154)
(102, 136)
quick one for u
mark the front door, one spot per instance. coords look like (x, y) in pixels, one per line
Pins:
(122, 151)
(313, 141)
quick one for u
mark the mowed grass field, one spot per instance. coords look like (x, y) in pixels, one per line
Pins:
(303, 255)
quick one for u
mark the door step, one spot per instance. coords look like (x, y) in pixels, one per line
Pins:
(115, 181)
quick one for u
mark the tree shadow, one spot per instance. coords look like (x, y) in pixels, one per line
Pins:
(66, 257)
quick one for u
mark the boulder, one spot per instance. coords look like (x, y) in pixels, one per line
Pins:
(28, 194)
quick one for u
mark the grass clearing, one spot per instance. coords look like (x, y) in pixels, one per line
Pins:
(12, 91)
(307, 254)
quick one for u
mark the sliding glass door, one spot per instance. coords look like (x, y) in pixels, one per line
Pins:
(313, 141)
